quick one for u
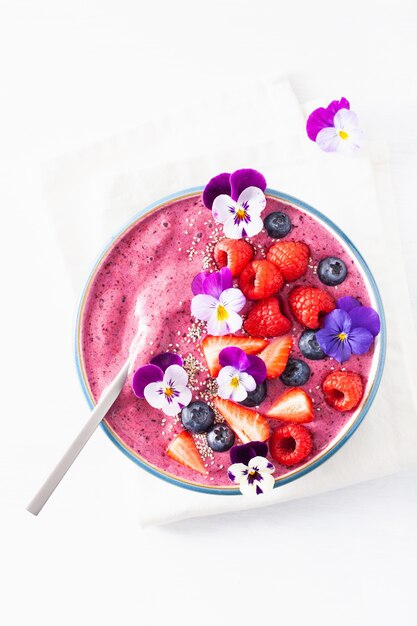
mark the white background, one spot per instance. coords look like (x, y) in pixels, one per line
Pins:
(73, 72)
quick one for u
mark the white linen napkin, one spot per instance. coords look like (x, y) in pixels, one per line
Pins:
(103, 186)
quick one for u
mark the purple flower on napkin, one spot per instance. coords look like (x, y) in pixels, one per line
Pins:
(335, 128)
(348, 329)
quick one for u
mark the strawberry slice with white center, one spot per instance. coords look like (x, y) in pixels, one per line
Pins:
(183, 450)
(248, 425)
(275, 356)
(294, 406)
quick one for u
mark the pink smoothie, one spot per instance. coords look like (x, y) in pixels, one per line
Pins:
(155, 260)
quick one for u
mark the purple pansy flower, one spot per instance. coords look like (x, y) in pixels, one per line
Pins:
(335, 128)
(348, 329)
(250, 468)
(217, 302)
(237, 201)
(240, 373)
(163, 383)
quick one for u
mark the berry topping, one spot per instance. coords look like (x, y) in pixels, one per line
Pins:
(255, 397)
(308, 303)
(275, 356)
(212, 346)
(293, 405)
(277, 224)
(291, 258)
(309, 346)
(233, 253)
(332, 271)
(248, 425)
(290, 444)
(343, 390)
(266, 320)
(197, 417)
(260, 279)
(220, 438)
(183, 450)
(296, 373)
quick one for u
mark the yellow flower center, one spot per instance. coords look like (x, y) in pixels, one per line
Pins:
(222, 314)
(342, 336)
(241, 213)
(343, 134)
(169, 392)
(234, 382)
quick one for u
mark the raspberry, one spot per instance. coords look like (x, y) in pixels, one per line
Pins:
(291, 258)
(234, 254)
(290, 444)
(308, 303)
(260, 279)
(343, 390)
(266, 320)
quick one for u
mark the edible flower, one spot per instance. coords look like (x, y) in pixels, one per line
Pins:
(217, 302)
(237, 201)
(240, 373)
(335, 128)
(163, 383)
(250, 468)
(348, 329)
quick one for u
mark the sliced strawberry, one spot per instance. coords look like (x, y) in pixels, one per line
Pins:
(260, 279)
(275, 356)
(212, 346)
(291, 257)
(183, 450)
(293, 405)
(233, 253)
(266, 320)
(248, 425)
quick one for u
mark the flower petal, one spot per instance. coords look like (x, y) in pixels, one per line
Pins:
(223, 208)
(198, 282)
(257, 368)
(247, 381)
(331, 345)
(345, 120)
(217, 186)
(347, 303)
(253, 200)
(184, 396)
(337, 321)
(239, 393)
(171, 408)
(218, 282)
(235, 357)
(154, 395)
(175, 376)
(232, 299)
(166, 359)
(252, 228)
(234, 322)
(144, 376)
(232, 229)
(261, 464)
(323, 117)
(366, 317)
(360, 340)
(257, 487)
(217, 327)
(203, 306)
(328, 140)
(243, 178)
(236, 472)
(246, 451)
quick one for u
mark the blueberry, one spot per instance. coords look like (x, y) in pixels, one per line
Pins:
(255, 397)
(296, 373)
(197, 417)
(309, 346)
(332, 271)
(220, 437)
(277, 224)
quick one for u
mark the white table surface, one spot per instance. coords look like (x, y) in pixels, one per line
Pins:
(75, 71)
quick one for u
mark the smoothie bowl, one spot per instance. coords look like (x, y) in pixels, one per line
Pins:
(261, 337)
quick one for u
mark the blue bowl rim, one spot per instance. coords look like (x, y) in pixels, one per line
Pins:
(302, 471)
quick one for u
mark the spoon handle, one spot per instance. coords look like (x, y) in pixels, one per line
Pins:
(107, 398)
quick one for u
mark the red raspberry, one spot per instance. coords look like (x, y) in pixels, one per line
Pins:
(234, 254)
(260, 279)
(343, 390)
(290, 444)
(291, 258)
(307, 303)
(266, 320)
